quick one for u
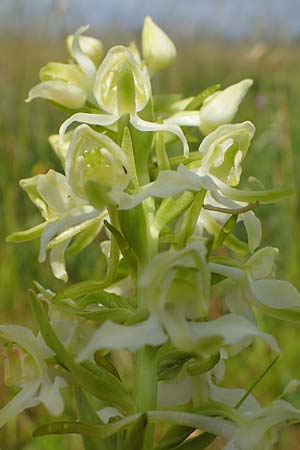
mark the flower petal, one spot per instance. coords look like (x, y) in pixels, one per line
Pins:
(68, 95)
(143, 125)
(114, 336)
(26, 398)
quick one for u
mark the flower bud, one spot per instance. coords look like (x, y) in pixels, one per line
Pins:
(221, 107)
(90, 46)
(158, 49)
(96, 166)
(224, 149)
(64, 84)
(113, 75)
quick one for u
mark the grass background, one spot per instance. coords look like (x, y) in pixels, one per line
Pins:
(273, 104)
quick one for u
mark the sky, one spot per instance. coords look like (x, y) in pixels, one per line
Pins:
(225, 18)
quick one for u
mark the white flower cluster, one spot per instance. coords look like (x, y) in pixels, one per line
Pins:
(168, 206)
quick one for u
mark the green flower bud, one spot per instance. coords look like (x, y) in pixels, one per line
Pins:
(224, 149)
(113, 76)
(158, 49)
(221, 107)
(90, 46)
(96, 165)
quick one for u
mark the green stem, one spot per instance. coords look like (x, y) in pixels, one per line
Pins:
(145, 363)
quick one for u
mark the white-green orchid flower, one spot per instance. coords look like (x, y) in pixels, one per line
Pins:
(69, 85)
(122, 86)
(96, 167)
(177, 290)
(254, 284)
(25, 367)
(65, 214)
(158, 49)
(224, 149)
(217, 109)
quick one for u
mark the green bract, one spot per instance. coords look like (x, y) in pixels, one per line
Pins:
(145, 344)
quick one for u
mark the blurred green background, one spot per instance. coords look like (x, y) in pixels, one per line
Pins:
(273, 104)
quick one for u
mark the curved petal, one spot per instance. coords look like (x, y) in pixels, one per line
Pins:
(26, 398)
(51, 397)
(234, 329)
(276, 293)
(83, 59)
(57, 260)
(167, 184)
(65, 94)
(253, 228)
(59, 226)
(143, 125)
(90, 119)
(132, 337)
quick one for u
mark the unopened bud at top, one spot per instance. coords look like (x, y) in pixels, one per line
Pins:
(158, 49)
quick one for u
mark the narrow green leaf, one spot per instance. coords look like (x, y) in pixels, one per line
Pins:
(161, 154)
(216, 278)
(197, 443)
(96, 431)
(94, 380)
(27, 235)
(191, 218)
(194, 157)
(170, 364)
(103, 361)
(253, 386)
(136, 434)
(268, 196)
(225, 231)
(128, 150)
(201, 365)
(171, 208)
(124, 246)
(108, 299)
(173, 437)
(84, 238)
(87, 413)
(81, 289)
